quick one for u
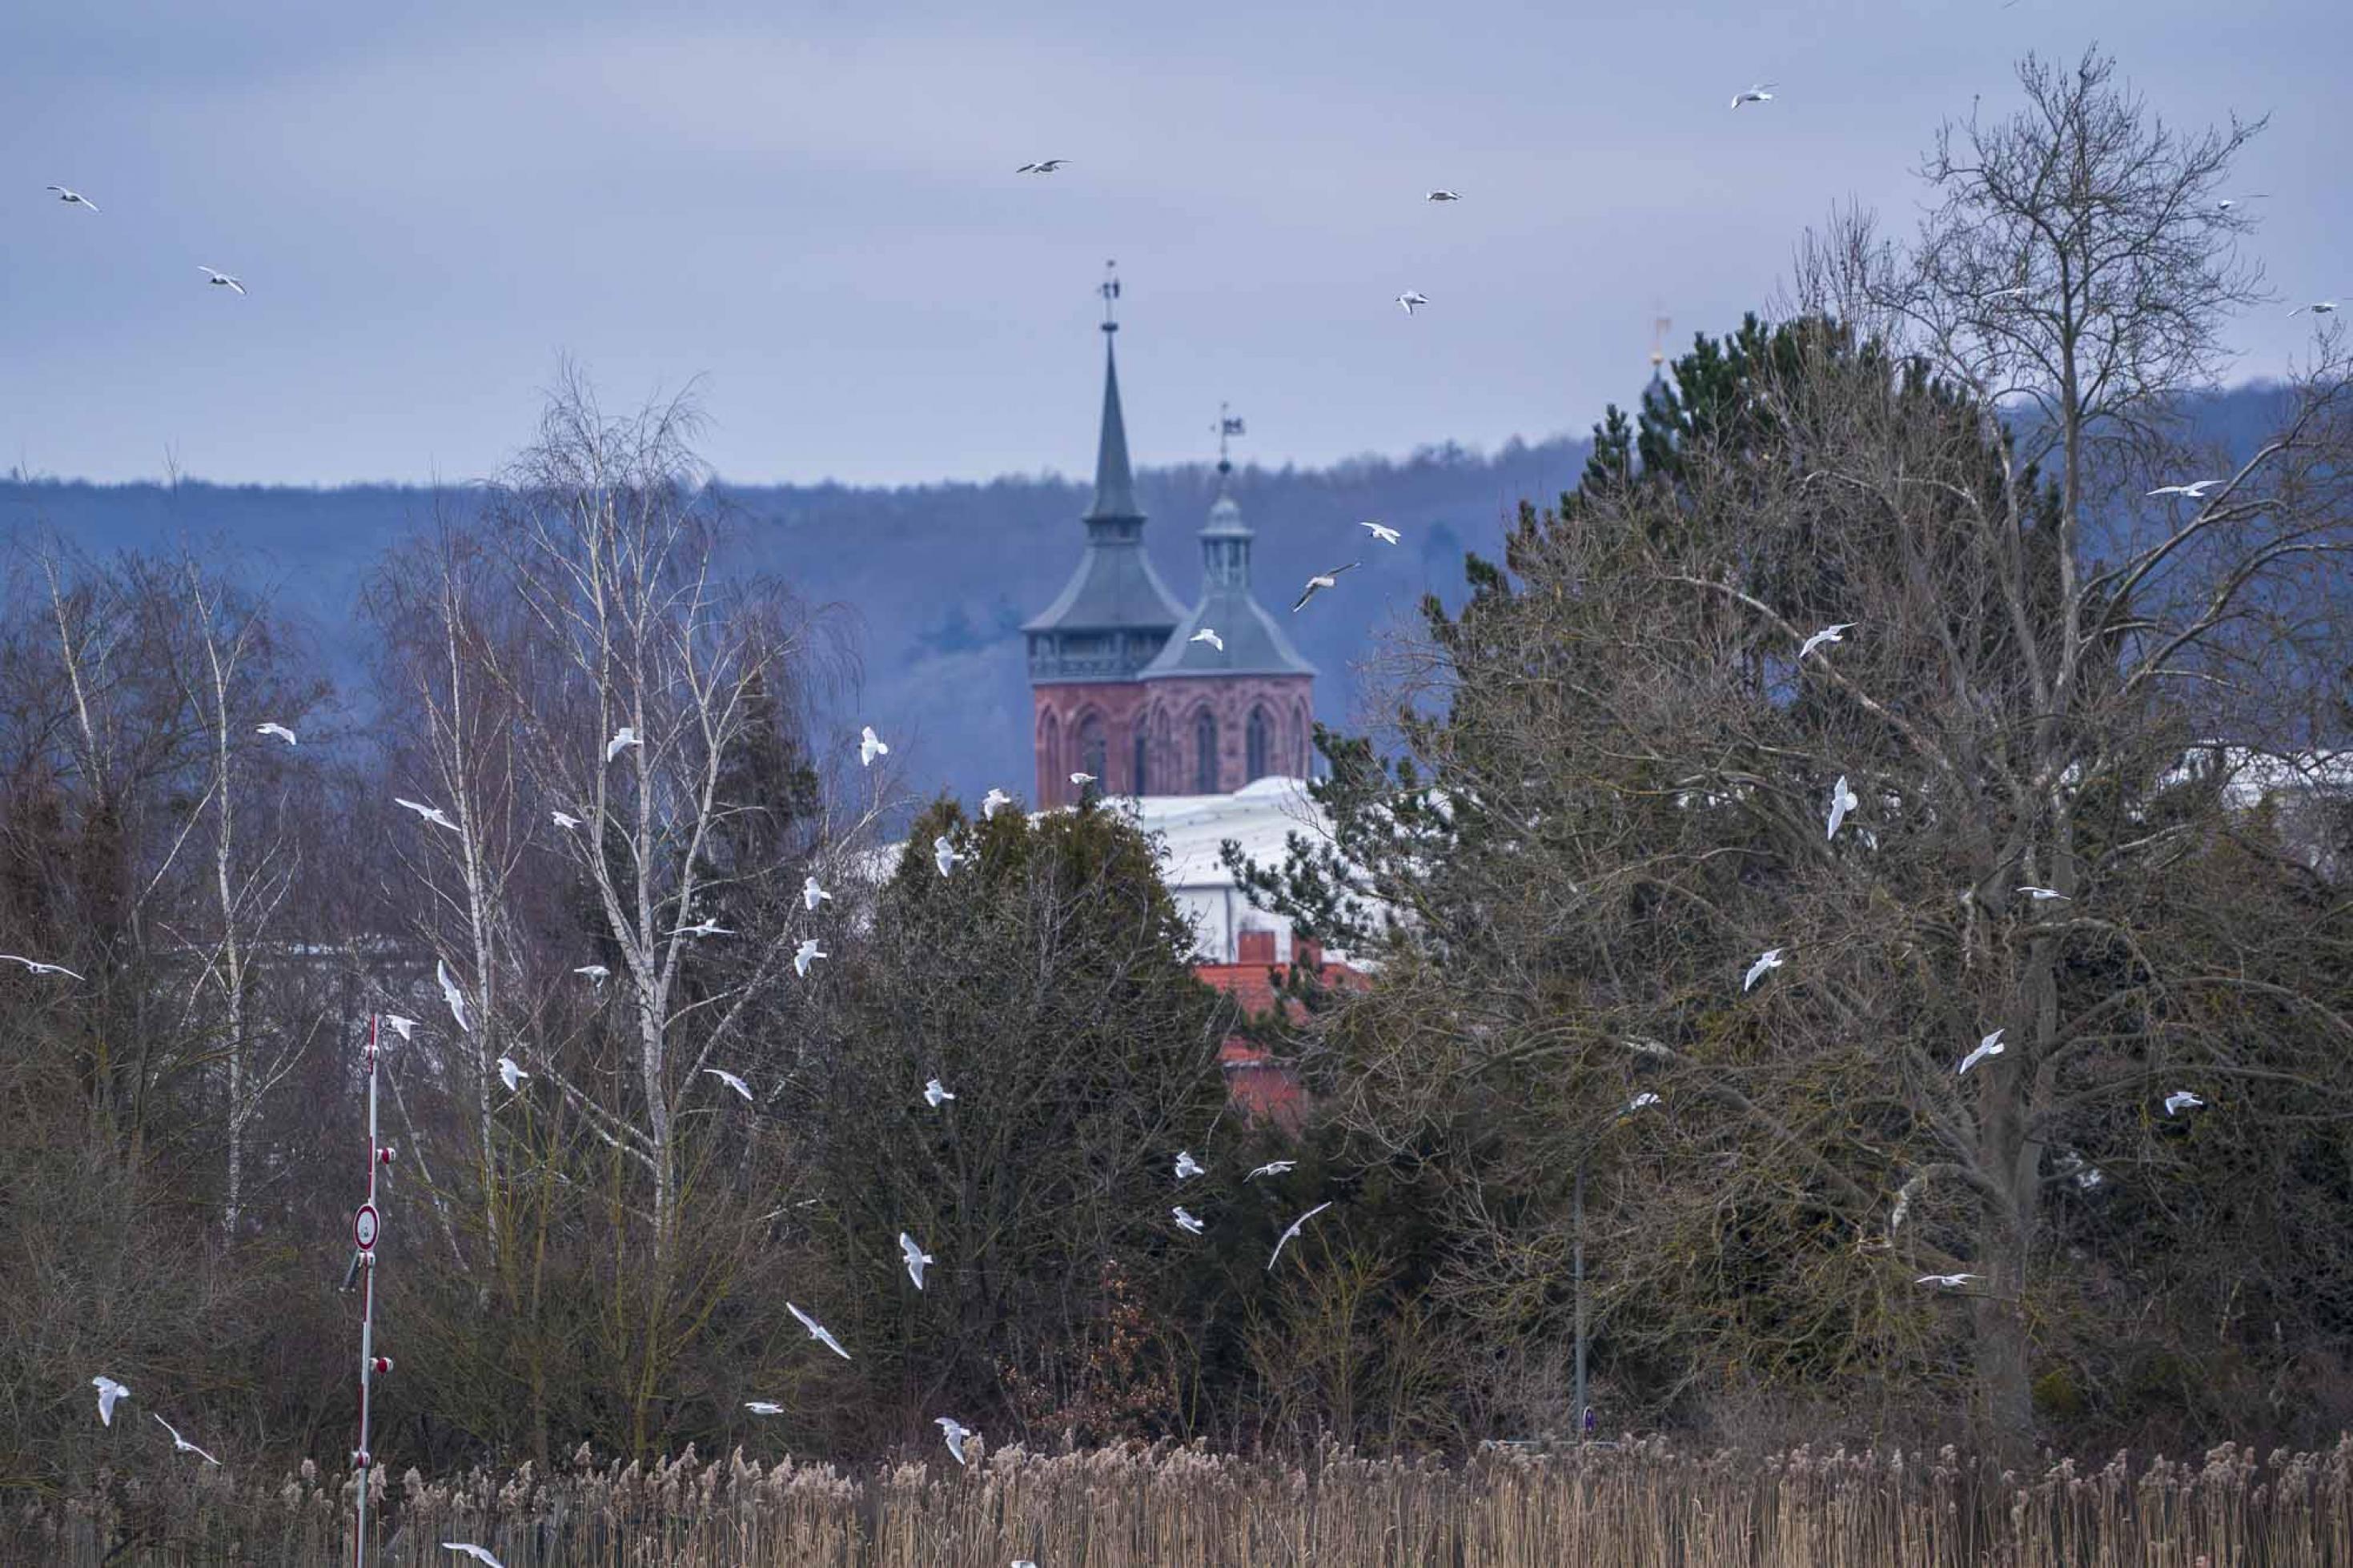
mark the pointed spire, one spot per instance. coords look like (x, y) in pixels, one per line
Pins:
(1114, 481)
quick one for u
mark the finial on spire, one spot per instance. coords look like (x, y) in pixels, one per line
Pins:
(1109, 290)
(1227, 427)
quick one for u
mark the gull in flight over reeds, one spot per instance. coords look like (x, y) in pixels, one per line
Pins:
(1766, 961)
(2042, 895)
(432, 814)
(807, 952)
(478, 1554)
(220, 279)
(870, 746)
(943, 854)
(2318, 307)
(1381, 532)
(510, 1075)
(1842, 800)
(1209, 635)
(1990, 1046)
(936, 1091)
(1285, 1239)
(732, 1081)
(1412, 297)
(956, 1432)
(180, 1445)
(2195, 489)
(916, 1257)
(404, 1027)
(37, 967)
(596, 972)
(995, 801)
(452, 994)
(1639, 1102)
(817, 1332)
(1441, 196)
(706, 926)
(564, 819)
(1272, 1168)
(1320, 581)
(1757, 94)
(763, 1408)
(2182, 1099)
(280, 730)
(1083, 779)
(1827, 635)
(623, 738)
(1188, 1167)
(108, 1391)
(1184, 1221)
(72, 198)
(1946, 1281)
(812, 895)
(1043, 167)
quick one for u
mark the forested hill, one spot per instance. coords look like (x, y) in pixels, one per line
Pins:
(938, 578)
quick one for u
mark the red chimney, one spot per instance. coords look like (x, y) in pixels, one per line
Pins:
(1254, 947)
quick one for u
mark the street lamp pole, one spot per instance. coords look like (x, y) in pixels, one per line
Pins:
(366, 1224)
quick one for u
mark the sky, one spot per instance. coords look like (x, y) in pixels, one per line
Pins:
(807, 213)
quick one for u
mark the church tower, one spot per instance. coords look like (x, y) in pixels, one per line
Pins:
(1112, 619)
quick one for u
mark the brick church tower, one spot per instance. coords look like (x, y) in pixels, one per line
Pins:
(1117, 688)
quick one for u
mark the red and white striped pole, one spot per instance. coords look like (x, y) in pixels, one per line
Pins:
(365, 1227)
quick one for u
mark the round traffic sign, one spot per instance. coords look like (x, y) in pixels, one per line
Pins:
(364, 1227)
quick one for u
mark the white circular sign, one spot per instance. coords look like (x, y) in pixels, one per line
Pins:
(363, 1227)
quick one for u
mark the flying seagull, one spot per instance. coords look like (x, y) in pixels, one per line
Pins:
(1272, 1168)
(451, 995)
(280, 730)
(37, 967)
(956, 1432)
(1412, 297)
(432, 814)
(510, 1075)
(1842, 800)
(870, 746)
(943, 854)
(1827, 635)
(478, 1554)
(2195, 489)
(596, 972)
(1754, 95)
(72, 198)
(1320, 581)
(801, 958)
(1188, 1167)
(623, 738)
(220, 279)
(1441, 196)
(1770, 959)
(936, 1091)
(1948, 1281)
(763, 1408)
(1209, 635)
(108, 1392)
(1381, 532)
(1639, 1102)
(1043, 167)
(704, 927)
(2179, 1101)
(916, 1257)
(817, 1332)
(995, 801)
(2227, 203)
(2042, 895)
(564, 819)
(732, 1081)
(1990, 1046)
(404, 1027)
(1083, 779)
(1285, 1239)
(813, 895)
(180, 1445)
(1186, 1222)
(2318, 307)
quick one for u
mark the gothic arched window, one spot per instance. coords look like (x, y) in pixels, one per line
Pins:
(1204, 752)
(1257, 741)
(1136, 784)
(1092, 749)
(1049, 755)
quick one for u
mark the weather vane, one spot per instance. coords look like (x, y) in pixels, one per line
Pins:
(1109, 290)
(1227, 427)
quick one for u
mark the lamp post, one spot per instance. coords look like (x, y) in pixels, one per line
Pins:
(366, 1229)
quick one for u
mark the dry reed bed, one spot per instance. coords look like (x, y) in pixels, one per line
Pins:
(1642, 1506)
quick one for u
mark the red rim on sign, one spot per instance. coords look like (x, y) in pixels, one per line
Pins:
(364, 1227)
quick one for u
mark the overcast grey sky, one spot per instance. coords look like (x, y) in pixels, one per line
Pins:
(812, 206)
